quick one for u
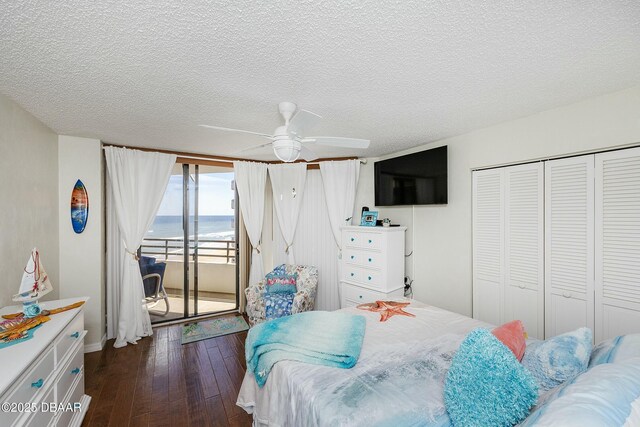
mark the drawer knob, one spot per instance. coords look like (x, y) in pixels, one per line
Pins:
(353, 256)
(369, 277)
(370, 240)
(353, 274)
(38, 383)
(369, 259)
(75, 371)
(75, 335)
(353, 239)
(360, 297)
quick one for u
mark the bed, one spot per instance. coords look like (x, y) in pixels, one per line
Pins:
(387, 386)
(398, 380)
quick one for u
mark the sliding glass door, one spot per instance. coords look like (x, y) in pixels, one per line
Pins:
(194, 235)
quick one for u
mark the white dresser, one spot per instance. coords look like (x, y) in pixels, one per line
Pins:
(372, 264)
(42, 379)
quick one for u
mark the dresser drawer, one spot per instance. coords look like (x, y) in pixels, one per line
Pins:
(65, 416)
(73, 333)
(367, 276)
(43, 418)
(365, 240)
(367, 259)
(29, 389)
(71, 371)
(36, 380)
(360, 295)
(372, 278)
(351, 273)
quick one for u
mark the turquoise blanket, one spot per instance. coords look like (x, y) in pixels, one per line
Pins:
(316, 337)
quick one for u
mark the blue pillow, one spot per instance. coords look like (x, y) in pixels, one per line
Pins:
(616, 349)
(277, 305)
(605, 395)
(281, 269)
(486, 385)
(558, 359)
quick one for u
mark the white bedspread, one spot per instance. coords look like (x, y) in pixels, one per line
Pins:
(398, 379)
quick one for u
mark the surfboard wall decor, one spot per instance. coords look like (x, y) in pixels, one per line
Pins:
(79, 207)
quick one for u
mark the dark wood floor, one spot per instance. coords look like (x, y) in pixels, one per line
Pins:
(160, 382)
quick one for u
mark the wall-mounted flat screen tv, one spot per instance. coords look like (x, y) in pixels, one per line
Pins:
(415, 179)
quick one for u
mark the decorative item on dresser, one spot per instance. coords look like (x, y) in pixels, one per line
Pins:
(372, 264)
(42, 380)
(369, 218)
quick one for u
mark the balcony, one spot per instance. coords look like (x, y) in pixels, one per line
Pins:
(216, 264)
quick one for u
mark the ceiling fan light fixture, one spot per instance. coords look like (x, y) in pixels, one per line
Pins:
(287, 139)
(287, 150)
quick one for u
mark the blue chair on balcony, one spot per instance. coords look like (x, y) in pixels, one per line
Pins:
(152, 277)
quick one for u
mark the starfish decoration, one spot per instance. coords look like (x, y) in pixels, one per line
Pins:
(387, 309)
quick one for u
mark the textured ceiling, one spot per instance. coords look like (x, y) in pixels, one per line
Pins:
(401, 73)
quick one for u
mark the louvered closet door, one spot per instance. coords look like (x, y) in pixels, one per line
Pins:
(488, 245)
(569, 244)
(524, 246)
(617, 243)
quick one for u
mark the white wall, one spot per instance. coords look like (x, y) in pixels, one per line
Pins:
(28, 197)
(82, 255)
(440, 236)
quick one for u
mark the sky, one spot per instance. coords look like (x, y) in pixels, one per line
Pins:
(215, 195)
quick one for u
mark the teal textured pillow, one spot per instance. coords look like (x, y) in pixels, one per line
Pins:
(558, 359)
(280, 283)
(486, 385)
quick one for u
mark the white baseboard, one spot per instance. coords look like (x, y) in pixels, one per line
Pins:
(96, 346)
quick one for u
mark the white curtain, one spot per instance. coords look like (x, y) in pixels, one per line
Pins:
(137, 182)
(251, 179)
(115, 264)
(314, 242)
(340, 182)
(287, 183)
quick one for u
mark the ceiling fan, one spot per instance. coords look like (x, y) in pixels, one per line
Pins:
(289, 142)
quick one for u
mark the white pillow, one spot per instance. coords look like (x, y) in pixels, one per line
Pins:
(616, 350)
(606, 395)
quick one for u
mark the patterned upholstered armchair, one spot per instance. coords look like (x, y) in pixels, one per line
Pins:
(304, 299)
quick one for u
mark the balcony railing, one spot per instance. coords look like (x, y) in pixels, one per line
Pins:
(172, 249)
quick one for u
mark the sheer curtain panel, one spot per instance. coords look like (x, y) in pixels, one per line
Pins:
(251, 178)
(287, 183)
(137, 182)
(115, 264)
(340, 182)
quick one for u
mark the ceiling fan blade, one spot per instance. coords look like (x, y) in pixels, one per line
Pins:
(303, 122)
(307, 154)
(237, 130)
(337, 141)
(255, 147)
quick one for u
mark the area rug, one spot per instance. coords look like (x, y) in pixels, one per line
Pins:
(197, 331)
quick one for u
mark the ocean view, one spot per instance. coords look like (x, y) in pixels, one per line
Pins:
(218, 227)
